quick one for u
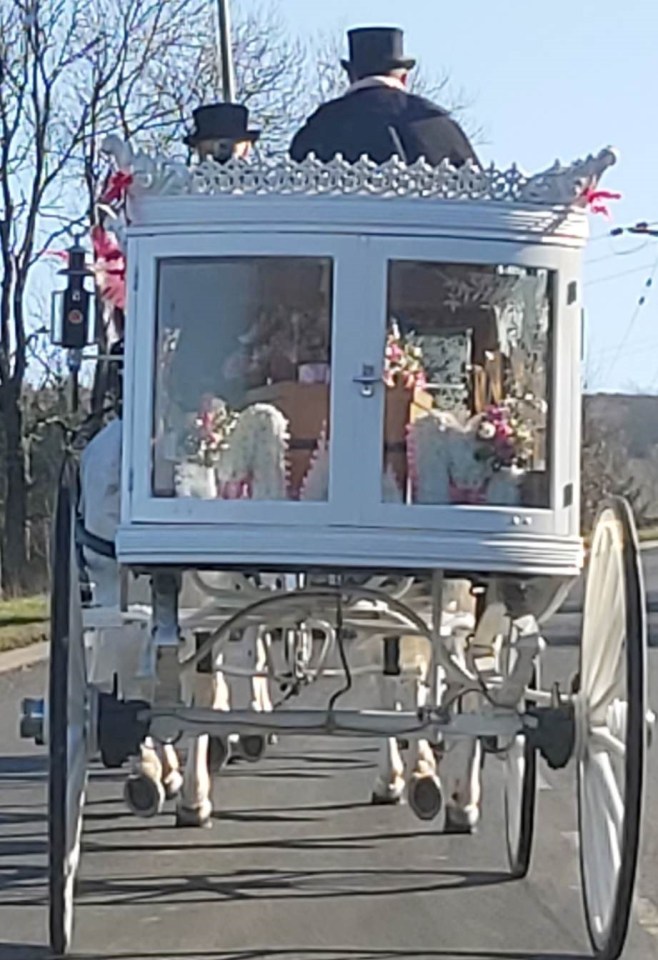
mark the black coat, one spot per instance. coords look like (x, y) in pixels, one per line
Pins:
(376, 121)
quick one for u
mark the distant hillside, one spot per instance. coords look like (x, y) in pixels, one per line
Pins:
(635, 416)
(633, 420)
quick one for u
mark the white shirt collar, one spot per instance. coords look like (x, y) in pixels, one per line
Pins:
(378, 81)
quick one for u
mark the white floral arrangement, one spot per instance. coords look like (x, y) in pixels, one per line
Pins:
(237, 456)
(253, 465)
(315, 485)
(446, 465)
(194, 480)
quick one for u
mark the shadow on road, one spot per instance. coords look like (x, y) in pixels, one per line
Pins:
(22, 951)
(279, 885)
(23, 767)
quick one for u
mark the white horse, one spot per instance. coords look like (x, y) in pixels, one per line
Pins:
(157, 775)
(118, 655)
(427, 788)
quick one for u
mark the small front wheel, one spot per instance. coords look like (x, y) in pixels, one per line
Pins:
(68, 711)
(520, 801)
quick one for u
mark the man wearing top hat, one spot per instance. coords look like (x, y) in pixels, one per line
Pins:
(221, 131)
(378, 116)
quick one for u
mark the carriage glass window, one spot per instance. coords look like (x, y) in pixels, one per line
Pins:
(243, 366)
(467, 372)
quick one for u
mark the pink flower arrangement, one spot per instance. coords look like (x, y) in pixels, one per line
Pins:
(505, 439)
(403, 361)
(212, 425)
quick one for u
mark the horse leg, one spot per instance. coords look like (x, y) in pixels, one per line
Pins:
(143, 790)
(424, 791)
(172, 778)
(116, 661)
(246, 691)
(194, 803)
(218, 747)
(194, 807)
(464, 794)
(389, 783)
(262, 697)
(463, 805)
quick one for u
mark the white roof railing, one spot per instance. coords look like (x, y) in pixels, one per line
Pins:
(559, 185)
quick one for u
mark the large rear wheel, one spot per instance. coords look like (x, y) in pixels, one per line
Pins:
(611, 715)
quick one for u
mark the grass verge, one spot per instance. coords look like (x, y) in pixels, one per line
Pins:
(23, 621)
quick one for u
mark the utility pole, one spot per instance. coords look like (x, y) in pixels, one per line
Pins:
(224, 51)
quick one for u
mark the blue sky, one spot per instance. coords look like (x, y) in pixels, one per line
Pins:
(553, 79)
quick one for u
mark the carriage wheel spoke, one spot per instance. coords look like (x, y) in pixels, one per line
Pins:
(610, 802)
(594, 873)
(601, 738)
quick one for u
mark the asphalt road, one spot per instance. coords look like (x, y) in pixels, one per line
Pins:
(298, 865)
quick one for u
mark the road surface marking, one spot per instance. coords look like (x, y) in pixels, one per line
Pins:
(571, 836)
(542, 782)
(647, 915)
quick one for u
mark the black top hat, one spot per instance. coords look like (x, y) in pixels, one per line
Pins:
(376, 49)
(221, 121)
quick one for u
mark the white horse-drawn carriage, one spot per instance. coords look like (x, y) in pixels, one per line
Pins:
(351, 421)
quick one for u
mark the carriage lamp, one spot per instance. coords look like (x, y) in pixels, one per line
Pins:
(70, 312)
(32, 720)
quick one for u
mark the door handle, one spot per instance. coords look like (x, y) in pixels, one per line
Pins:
(367, 380)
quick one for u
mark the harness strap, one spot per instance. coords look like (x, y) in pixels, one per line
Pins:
(83, 538)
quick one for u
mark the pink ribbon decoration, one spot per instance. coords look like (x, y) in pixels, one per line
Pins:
(237, 489)
(117, 187)
(468, 494)
(110, 265)
(593, 199)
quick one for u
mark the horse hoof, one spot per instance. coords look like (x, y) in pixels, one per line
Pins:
(461, 820)
(252, 747)
(387, 794)
(144, 796)
(218, 755)
(425, 797)
(194, 817)
(173, 785)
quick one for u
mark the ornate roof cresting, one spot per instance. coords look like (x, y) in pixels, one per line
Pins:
(556, 186)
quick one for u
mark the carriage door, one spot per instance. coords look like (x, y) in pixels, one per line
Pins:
(464, 432)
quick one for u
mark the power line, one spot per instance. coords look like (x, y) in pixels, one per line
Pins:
(621, 273)
(617, 253)
(640, 303)
(638, 347)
